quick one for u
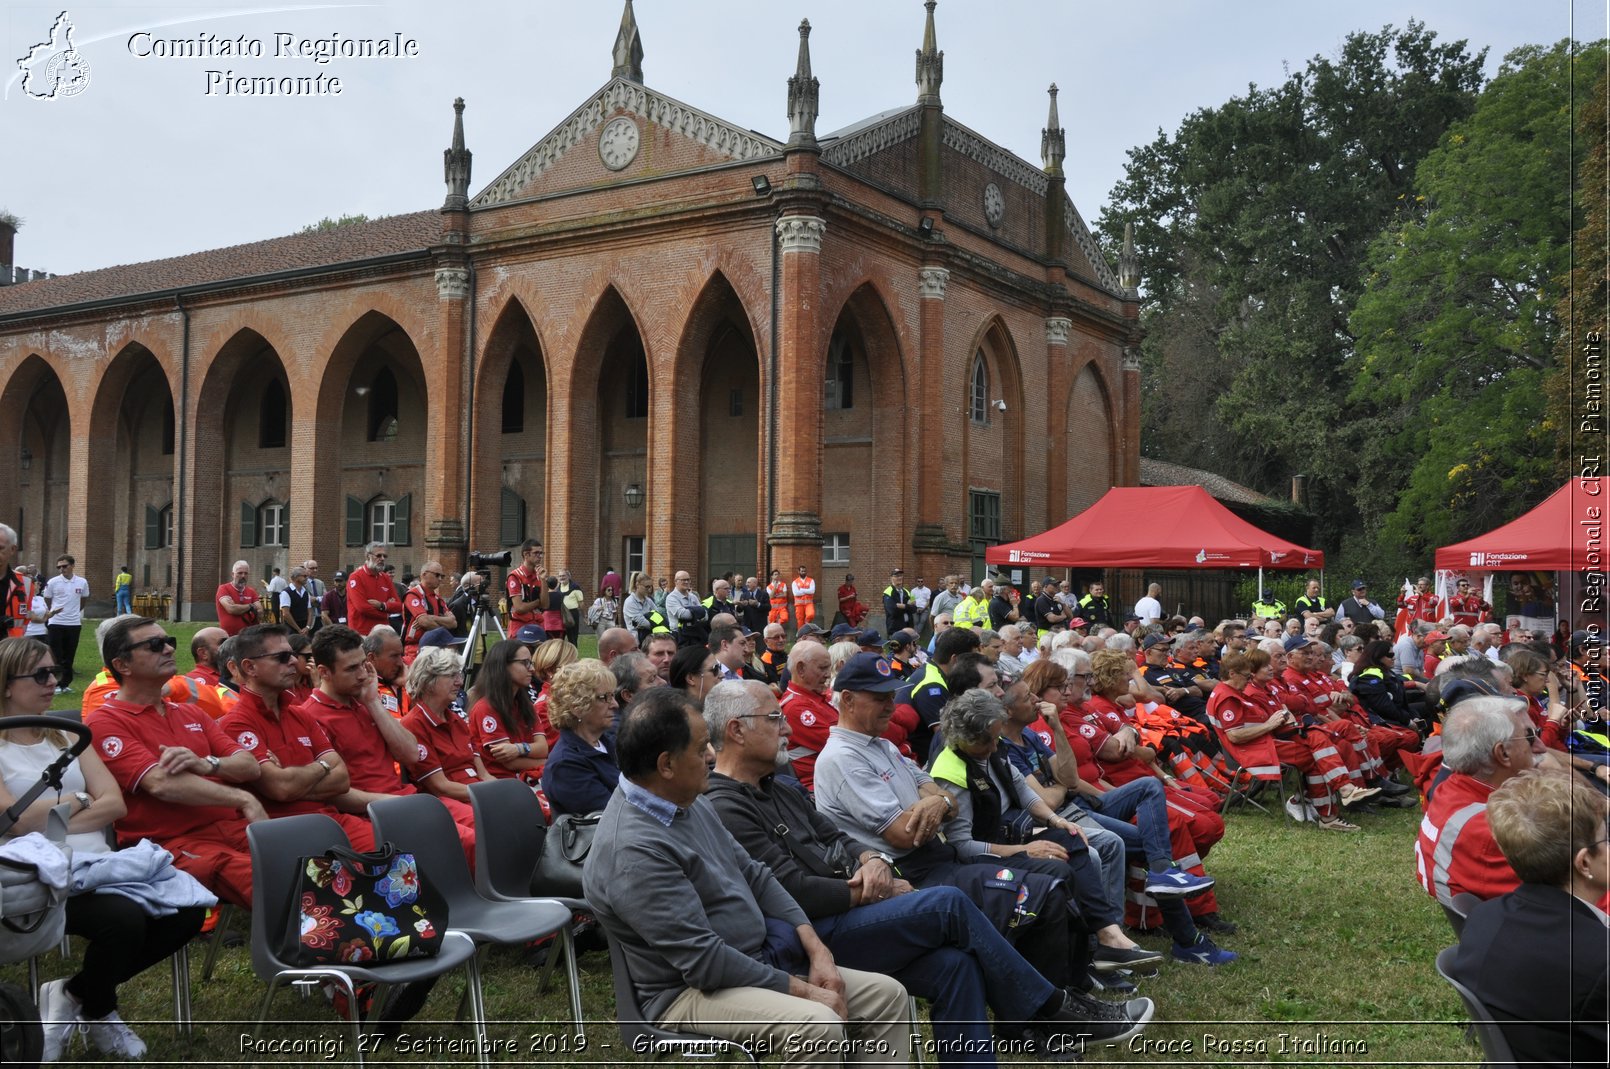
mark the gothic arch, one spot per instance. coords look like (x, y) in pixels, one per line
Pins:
(37, 444)
(507, 463)
(1090, 434)
(992, 451)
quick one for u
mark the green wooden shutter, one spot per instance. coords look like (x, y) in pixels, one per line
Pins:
(354, 522)
(399, 532)
(153, 527)
(512, 525)
(285, 524)
(248, 525)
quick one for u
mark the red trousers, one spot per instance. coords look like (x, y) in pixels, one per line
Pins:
(218, 857)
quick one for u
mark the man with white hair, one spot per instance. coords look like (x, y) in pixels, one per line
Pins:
(237, 600)
(1485, 640)
(1010, 661)
(1485, 742)
(371, 597)
(15, 590)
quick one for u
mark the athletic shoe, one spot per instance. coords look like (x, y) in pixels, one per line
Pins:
(1205, 952)
(1398, 801)
(59, 1013)
(1173, 882)
(1352, 795)
(1033, 1042)
(1213, 922)
(111, 1036)
(1090, 1019)
(1391, 787)
(1112, 983)
(1336, 824)
(1111, 959)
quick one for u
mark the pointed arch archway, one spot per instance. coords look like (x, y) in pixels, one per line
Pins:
(992, 426)
(718, 404)
(373, 415)
(1088, 433)
(868, 483)
(38, 435)
(245, 495)
(510, 465)
(131, 458)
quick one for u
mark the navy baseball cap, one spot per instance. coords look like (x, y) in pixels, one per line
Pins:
(1153, 640)
(870, 639)
(904, 637)
(530, 633)
(439, 636)
(1297, 642)
(868, 672)
(809, 629)
(842, 631)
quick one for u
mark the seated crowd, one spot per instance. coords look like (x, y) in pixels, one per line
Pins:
(977, 819)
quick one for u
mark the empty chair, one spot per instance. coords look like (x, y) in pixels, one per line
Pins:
(276, 845)
(420, 825)
(1459, 909)
(1488, 1032)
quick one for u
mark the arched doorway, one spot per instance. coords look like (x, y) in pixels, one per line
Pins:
(992, 444)
(34, 409)
(511, 434)
(1088, 437)
(131, 475)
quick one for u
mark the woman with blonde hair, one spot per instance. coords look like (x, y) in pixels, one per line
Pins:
(546, 660)
(581, 772)
(123, 940)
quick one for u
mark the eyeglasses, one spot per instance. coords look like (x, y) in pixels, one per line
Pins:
(44, 676)
(281, 657)
(1081, 675)
(154, 645)
(603, 697)
(522, 660)
(774, 716)
(1530, 736)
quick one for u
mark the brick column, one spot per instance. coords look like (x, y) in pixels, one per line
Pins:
(1129, 437)
(796, 531)
(929, 543)
(445, 443)
(1057, 329)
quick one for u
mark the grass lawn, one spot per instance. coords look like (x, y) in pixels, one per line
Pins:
(1337, 942)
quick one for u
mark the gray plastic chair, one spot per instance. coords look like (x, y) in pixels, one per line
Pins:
(510, 833)
(645, 1038)
(276, 847)
(419, 824)
(1459, 910)
(1488, 1032)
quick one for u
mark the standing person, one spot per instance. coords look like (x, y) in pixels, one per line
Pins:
(65, 594)
(333, 609)
(525, 587)
(1312, 604)
(686, 614)
(1359, 608)
(571, 596)
(950, 596)
(298, 609)
(371, 597)
(123, 937)
(601, 615)
(703, 927)
(921, 597)
(752, 605)
(16, 592)
(643, 613)
(1095, 608)
(777, 597)
(123, 590)
(897, 611)
(610, 586)
(1149, 608)
(424, 609)
(314, 583)
(804, 591)
(1049, 610)
(275, 586)
(1467, 607)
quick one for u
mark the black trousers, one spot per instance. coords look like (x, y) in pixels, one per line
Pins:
(63, 642)
(124, 941)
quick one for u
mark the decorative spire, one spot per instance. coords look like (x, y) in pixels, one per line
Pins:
(456, 164)
(930, 62)
(1053, 145)
(628, 49)
(1128, 264)
(803, 95)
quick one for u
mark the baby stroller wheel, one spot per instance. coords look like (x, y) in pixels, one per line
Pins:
(22, 1038)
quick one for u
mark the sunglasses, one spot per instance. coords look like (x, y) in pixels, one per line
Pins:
(714, 670)
(282, 657)
(45, 677)
(159, 644)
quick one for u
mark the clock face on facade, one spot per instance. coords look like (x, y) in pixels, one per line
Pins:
(994, 204)
(617, 145)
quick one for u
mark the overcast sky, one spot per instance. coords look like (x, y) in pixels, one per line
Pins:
(144, 164)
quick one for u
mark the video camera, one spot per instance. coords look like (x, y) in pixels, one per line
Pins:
(482, 561)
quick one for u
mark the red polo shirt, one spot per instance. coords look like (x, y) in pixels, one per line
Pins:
(131, 738)
(446, 745)
(355, 736)
(810, 715)
(362, 587)
(228, 620)
(294, 737)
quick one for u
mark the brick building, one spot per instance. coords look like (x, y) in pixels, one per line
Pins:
(654, 339)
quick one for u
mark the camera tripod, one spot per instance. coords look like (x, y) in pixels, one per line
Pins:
(481, 628)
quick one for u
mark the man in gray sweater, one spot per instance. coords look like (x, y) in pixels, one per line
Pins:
(745, 965)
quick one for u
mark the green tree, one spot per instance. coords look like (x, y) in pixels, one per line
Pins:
(1457, 325)
(330, 224)
(1252, 223)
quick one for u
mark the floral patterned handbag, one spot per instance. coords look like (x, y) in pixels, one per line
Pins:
(350, 908)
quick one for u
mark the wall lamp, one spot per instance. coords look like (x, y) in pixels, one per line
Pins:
(26, 458)
(762, 185)
(925, 226)
(634, 496)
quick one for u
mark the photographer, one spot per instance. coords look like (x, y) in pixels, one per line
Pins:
(465, 600)
(526, 588)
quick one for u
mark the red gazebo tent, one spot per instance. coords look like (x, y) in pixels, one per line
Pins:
(1549, 538)
(1155, 527)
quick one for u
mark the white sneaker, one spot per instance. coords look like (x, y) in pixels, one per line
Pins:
(58, 1012)
(111, 1036)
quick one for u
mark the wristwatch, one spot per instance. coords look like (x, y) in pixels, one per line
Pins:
(322, 763)
(84, 800)
(883, 857)
(214, 762)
